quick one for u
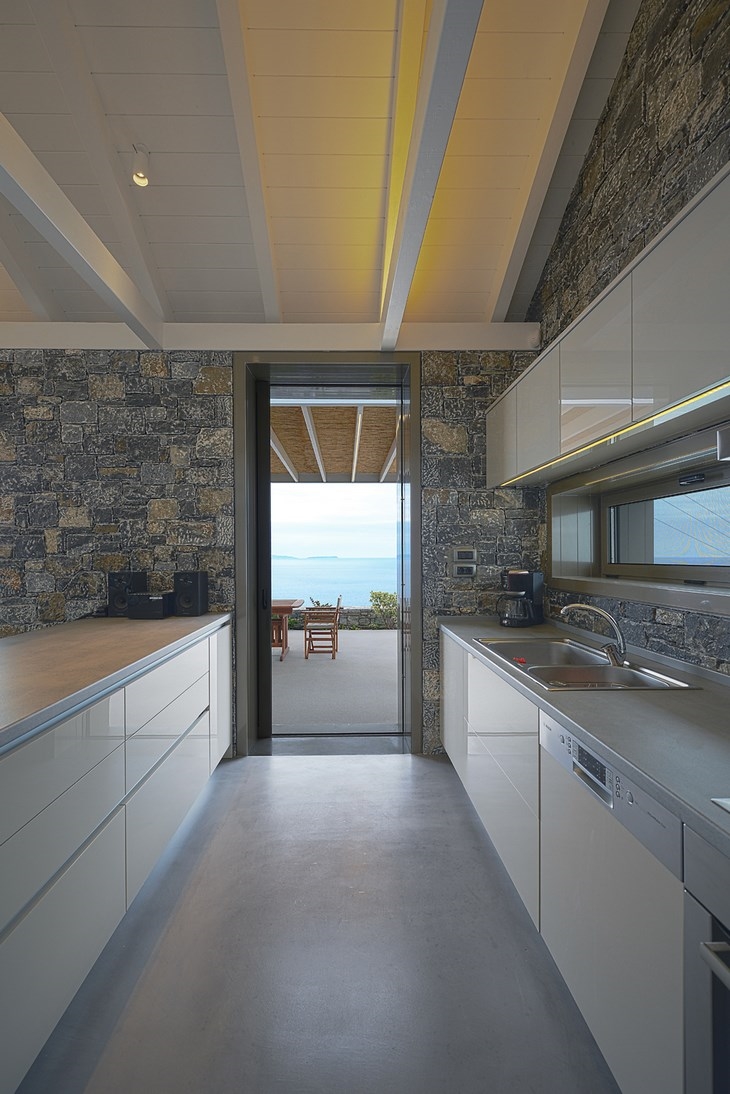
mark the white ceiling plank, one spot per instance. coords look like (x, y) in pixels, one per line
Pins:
(234, 50)
(72, 70)
(356, 444)
(32, 191)
(451, 33)
(544, 164)
(475, 336)
(314, 440)
(25, 274)
(281, 452)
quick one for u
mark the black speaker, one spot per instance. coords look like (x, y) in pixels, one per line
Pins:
(151, 605)
(120, 585)
(191, 592)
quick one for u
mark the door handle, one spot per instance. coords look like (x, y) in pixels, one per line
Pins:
(264, 599)
(709, 952)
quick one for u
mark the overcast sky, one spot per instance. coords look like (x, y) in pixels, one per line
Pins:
(352, 520)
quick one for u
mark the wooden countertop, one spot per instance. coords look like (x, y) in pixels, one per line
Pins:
(47, 673)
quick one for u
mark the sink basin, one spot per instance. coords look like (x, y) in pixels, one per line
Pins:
(524, 652)
(599, 678)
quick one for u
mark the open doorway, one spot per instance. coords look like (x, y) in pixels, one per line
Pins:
(335, 510)
(253, 436)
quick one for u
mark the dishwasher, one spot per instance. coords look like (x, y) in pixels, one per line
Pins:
(611, 909)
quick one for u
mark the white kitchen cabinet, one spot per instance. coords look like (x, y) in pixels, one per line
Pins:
(45, 958)
(453, 701)
(156, 809)
(681, 318)
(156, 737)
(221, 699)
(149, 694)
(502, 780)
(538, 421)
(611, 916)
(35, 773)
(595, 371)
(494, 706)
(502, 439)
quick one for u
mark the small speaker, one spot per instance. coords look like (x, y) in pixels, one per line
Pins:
(120, 585)
(151, 605)
(191, 592)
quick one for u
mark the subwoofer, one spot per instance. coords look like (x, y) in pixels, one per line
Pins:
(119, 585)
(191, 592)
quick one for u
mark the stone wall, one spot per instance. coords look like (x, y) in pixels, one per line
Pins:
(507, 527)
(111, 460)
(664, 133)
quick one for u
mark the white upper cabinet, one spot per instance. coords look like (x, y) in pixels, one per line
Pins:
(538, 424)
(595, 371)
(502, 439)
(681, 322)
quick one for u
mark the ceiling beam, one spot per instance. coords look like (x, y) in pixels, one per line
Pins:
(281, 452)
(31, 190)
(543, 166)
(26, 276)
(79, 91)
(452, 28)
(356, 445)
(314, 440)
(391, 454)
(244, 117)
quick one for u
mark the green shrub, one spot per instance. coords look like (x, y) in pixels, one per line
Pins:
(385, 609)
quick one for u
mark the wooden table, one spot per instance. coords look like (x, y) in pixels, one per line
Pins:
(280, 612)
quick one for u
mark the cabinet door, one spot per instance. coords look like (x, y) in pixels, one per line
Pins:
(681, 319)
(502, 439)
(152, 692)
(221, 709)
(453, 701)
(595, 371)
(494, 706)
(538, 423)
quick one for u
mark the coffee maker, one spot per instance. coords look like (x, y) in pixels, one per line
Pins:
(520, 605)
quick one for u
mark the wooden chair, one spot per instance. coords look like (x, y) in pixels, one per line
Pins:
(321, 629)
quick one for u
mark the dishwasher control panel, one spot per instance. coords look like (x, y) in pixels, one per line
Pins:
(649, 821)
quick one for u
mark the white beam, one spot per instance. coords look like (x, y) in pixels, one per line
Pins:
(26, 276)
(389, 458)
(358, 435)
(314, 440)
(275, 337)
(31, 190)
(281, 452)
(452, 27)
(543, 166)
(244, 117)
(79, 91)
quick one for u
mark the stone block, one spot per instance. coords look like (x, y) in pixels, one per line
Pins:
(153, 364)
(8, 450)
(213, 380)
(211, 500)
(214, 444)
(163, 509)
(51, 607)
(157, 473)
(107, 388)
(80, 413)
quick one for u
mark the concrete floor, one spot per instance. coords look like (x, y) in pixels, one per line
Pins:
(325, 925)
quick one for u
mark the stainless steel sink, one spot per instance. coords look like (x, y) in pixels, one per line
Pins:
(524, 652)
(600, 678)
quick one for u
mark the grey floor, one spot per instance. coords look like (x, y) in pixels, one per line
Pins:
(325, 925)
(356, 693)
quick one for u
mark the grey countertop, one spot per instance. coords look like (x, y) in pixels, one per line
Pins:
(673, 743)
(48, 673)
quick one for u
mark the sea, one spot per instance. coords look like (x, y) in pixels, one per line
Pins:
(326, 578)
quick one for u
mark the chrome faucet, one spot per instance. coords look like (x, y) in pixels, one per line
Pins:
(615, 651)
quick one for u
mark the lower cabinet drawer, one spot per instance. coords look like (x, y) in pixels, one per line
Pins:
(155, 811)
(151, 693)
(37, 772)
(30, 858)
(45, 959)
(150, 743)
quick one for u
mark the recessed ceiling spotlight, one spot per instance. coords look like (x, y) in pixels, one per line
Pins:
(141, 165)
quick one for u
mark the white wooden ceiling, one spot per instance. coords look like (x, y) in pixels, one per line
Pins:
(323, 173)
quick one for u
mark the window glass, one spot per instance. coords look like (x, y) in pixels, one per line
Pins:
(688, 529)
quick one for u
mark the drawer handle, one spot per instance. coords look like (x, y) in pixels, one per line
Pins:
(709, 952)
